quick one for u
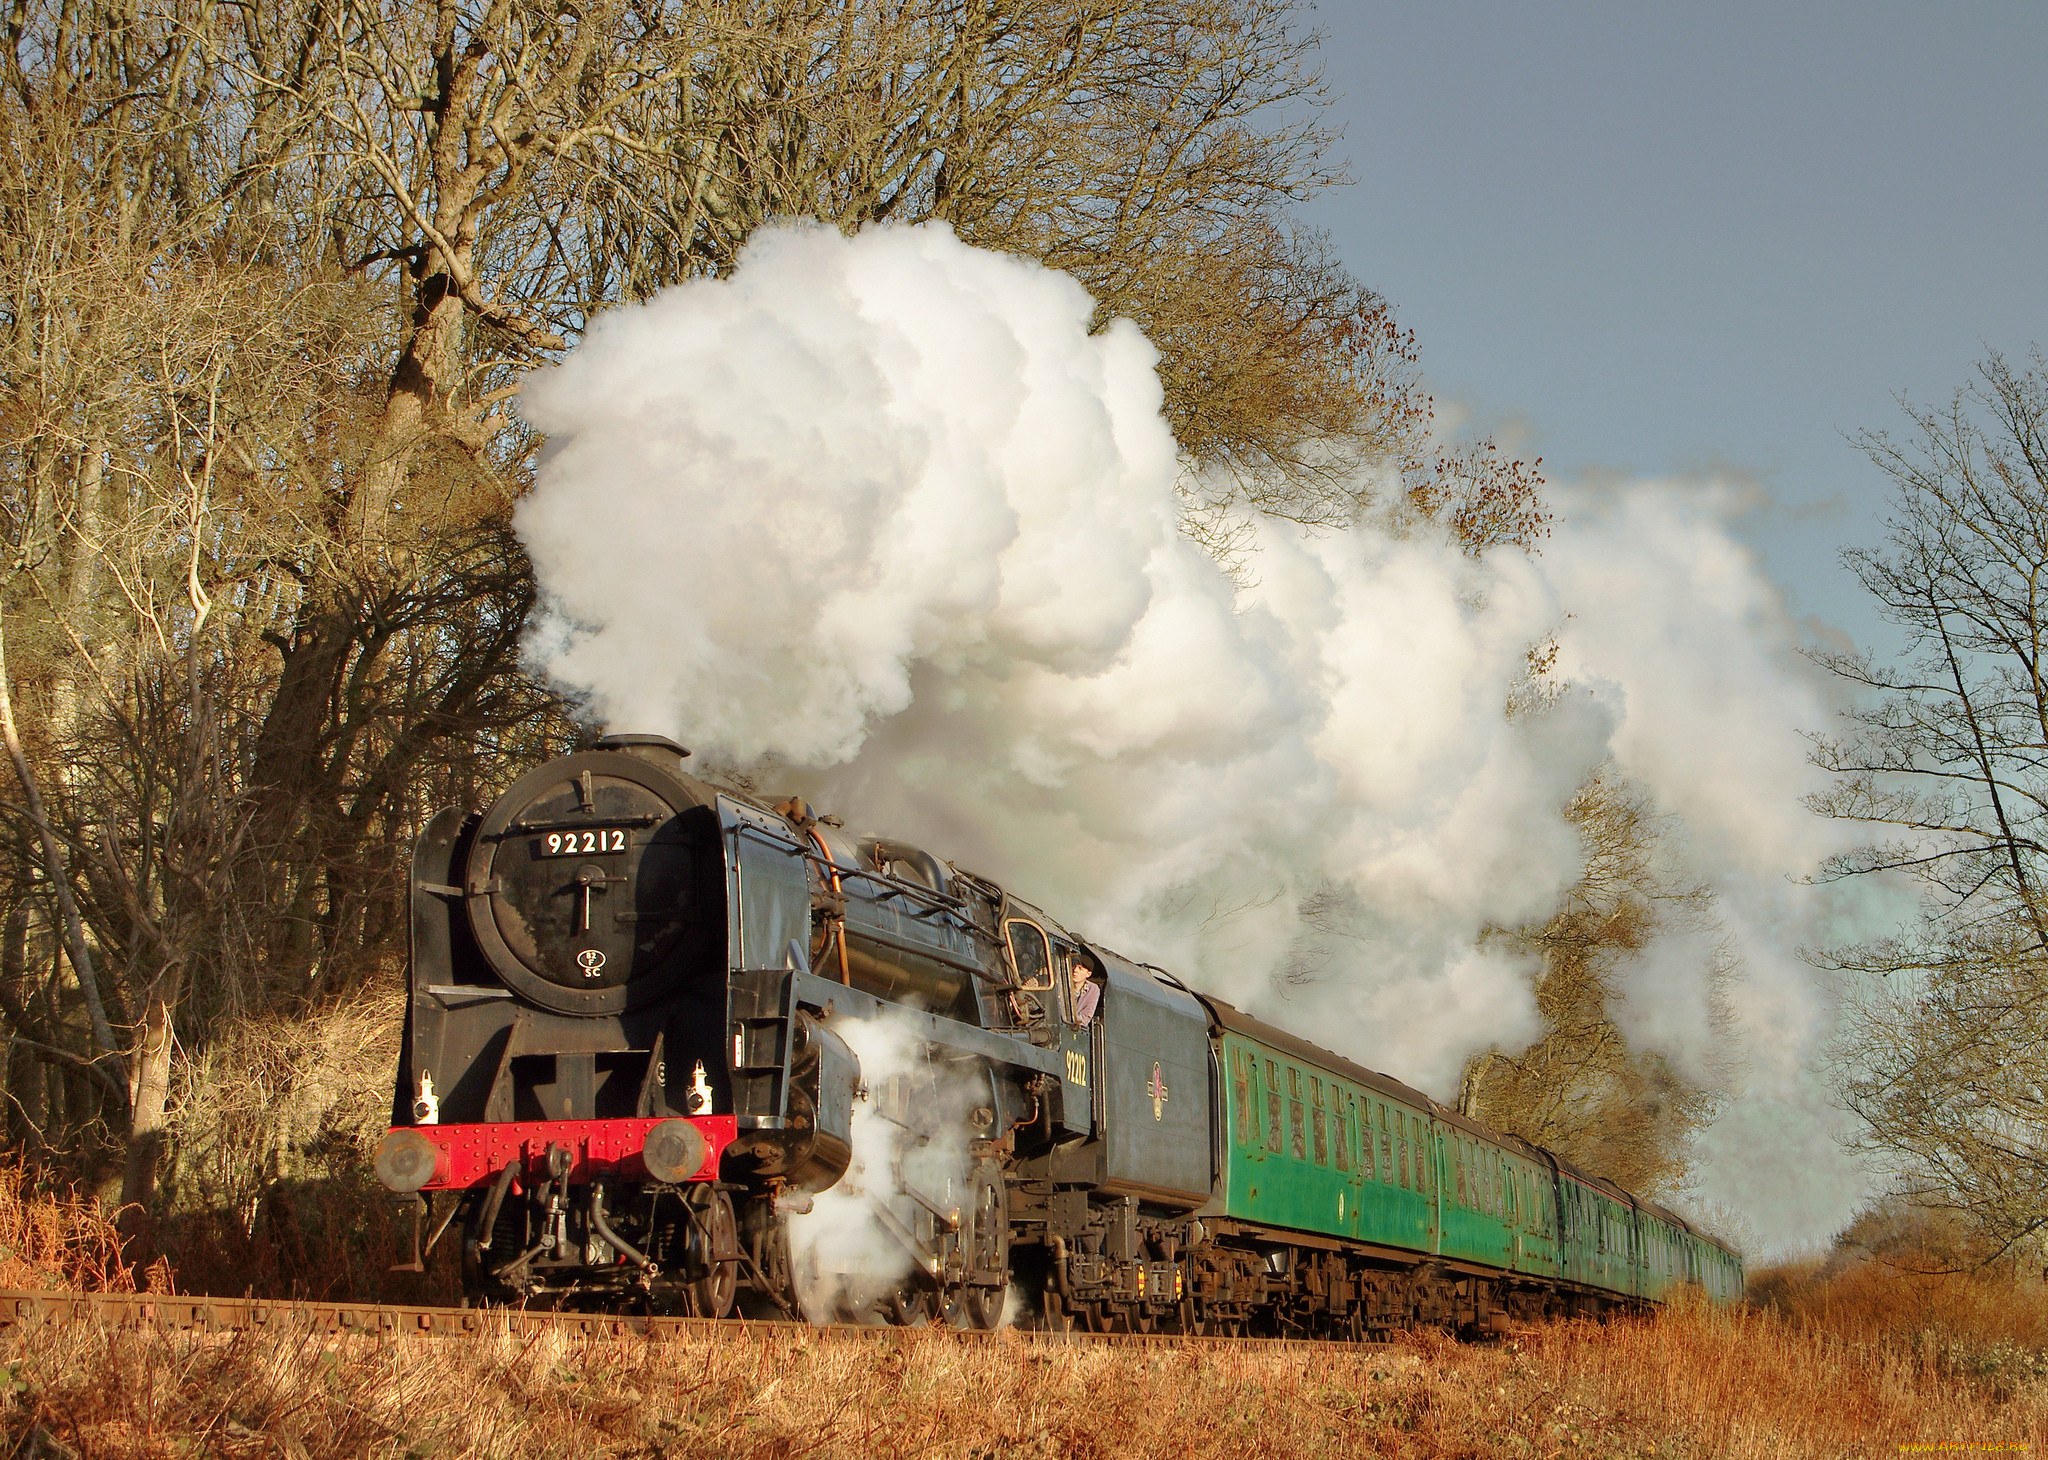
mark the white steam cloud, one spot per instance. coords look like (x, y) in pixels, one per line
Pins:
(856, 1250)
(881, 519)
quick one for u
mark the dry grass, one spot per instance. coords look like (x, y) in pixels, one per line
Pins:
(1856, 1360)
(51, 1237)
(283, 1099)
(1690, 1383)
(272, 1193)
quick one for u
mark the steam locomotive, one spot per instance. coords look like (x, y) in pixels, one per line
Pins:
(628, 1066)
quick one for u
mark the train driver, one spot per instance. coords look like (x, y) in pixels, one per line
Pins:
(1087, 992)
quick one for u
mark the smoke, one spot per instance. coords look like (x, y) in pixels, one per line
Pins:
(864, 1239)
(881, 520)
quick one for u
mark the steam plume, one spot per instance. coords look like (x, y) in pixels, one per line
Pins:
(881, 519)
(855, 1245)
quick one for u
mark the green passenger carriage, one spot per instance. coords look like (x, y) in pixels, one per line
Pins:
(1313, 1143)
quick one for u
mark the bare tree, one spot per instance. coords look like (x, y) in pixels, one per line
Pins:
(1944, 761)
(1582, 1089)
(270, 278)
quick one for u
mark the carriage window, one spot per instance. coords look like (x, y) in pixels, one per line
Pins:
(1296, 1120)
(1386, 1148)
(1243, 1071)
(1340, 1119)
(1317, 1135)
(1030, 952)
(1273, 1107)
(1401, 1144)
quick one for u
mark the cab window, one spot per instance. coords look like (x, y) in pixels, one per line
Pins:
(1030, 953)
(1084, 995)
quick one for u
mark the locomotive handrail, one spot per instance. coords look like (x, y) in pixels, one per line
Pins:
(583, 823)
(898, 886)
(901, 887)
(943, 902)
(823, 993)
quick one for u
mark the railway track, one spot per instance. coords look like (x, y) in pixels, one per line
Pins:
(21, 1309)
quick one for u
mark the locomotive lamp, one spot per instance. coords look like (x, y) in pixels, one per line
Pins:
(698, 1099)
(426, 1110)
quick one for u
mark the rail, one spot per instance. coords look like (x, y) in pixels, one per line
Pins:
(22, 1309)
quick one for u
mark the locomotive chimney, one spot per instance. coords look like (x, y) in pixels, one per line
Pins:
(658, 749)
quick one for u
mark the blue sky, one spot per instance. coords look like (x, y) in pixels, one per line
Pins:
(1698, 242)
(1650, 240)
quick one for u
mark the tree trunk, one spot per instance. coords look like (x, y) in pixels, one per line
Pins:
(55, 866)
(24, 1066)
(149, 1095)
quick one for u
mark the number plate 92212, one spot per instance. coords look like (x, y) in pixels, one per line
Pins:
(593, 842)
